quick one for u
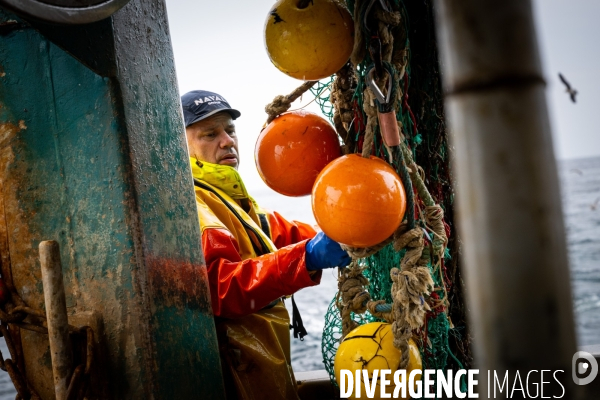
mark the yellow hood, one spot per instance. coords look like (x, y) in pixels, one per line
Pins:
(223, 177)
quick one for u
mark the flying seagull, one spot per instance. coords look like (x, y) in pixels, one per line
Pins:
(572, 92)
(577, 171)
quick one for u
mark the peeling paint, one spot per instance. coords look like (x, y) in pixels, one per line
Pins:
(179, 284)
(7, 132)
(49, 192)
(22, 269)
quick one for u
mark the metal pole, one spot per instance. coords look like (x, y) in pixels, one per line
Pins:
(509, 207)
(56, 313)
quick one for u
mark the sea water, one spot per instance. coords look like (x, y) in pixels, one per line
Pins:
(580, 180)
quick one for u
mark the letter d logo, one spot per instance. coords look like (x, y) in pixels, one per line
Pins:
(585, 368)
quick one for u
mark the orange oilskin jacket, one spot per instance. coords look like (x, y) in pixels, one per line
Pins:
(253, 258)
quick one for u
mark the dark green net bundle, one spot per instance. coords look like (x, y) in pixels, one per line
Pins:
(419, 110)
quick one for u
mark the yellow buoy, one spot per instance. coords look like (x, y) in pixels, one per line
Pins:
(309, 43)
(371, 347)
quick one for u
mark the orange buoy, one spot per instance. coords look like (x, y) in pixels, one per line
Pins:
(309, 43)
(358, 201)
(293, 149)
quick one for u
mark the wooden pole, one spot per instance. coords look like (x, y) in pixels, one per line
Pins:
(56, 313)
(509, 206)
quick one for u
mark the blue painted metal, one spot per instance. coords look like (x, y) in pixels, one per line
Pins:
(99, 163)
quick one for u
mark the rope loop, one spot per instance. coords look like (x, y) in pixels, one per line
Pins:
(281, 104)
(352, 296)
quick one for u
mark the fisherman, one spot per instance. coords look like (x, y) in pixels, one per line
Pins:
(254, 258)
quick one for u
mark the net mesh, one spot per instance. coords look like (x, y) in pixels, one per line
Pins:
(442, 345)
(321, 91)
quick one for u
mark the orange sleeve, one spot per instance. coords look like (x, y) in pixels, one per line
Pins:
(240, 287)
(284, 233)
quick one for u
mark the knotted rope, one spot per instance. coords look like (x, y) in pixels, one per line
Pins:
(410, 284)
(359, 50)
(281, 104)
(410, 293)
(369, 12)
(372, 122)
(434, 214)
(352, 296)
(342, 92)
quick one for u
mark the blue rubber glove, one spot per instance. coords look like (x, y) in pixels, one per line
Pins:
(323, 252)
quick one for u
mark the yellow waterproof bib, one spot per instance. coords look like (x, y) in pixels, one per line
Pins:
(255, 349)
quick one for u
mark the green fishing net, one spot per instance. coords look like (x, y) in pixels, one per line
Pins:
(322, 90)
(425, 134)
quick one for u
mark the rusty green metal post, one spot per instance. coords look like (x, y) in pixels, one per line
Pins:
(93, 155)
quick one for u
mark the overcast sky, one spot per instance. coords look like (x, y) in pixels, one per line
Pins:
(219, 46)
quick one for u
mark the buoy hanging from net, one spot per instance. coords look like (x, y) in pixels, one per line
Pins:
(309, 40)
(358, 201)
(372, 114)
(293, 149)
(371, 347)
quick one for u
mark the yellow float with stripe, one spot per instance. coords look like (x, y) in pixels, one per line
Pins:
(371, 347)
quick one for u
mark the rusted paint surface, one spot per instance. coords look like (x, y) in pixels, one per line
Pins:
(18, 261)
(7, 131)
(179, 284)
(38, 365)
(180, 292)
(64, 178)
(100, 165)
(8, 137)
(168, 222)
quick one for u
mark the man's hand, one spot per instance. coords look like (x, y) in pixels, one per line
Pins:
(323, 252)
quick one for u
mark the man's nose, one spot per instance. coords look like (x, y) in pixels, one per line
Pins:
(226, 140)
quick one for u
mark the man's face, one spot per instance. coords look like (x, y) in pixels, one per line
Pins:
(214, 140)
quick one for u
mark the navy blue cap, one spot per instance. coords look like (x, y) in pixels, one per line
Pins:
(200, 104)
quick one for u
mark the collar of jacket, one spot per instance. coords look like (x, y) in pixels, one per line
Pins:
(222, 177)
